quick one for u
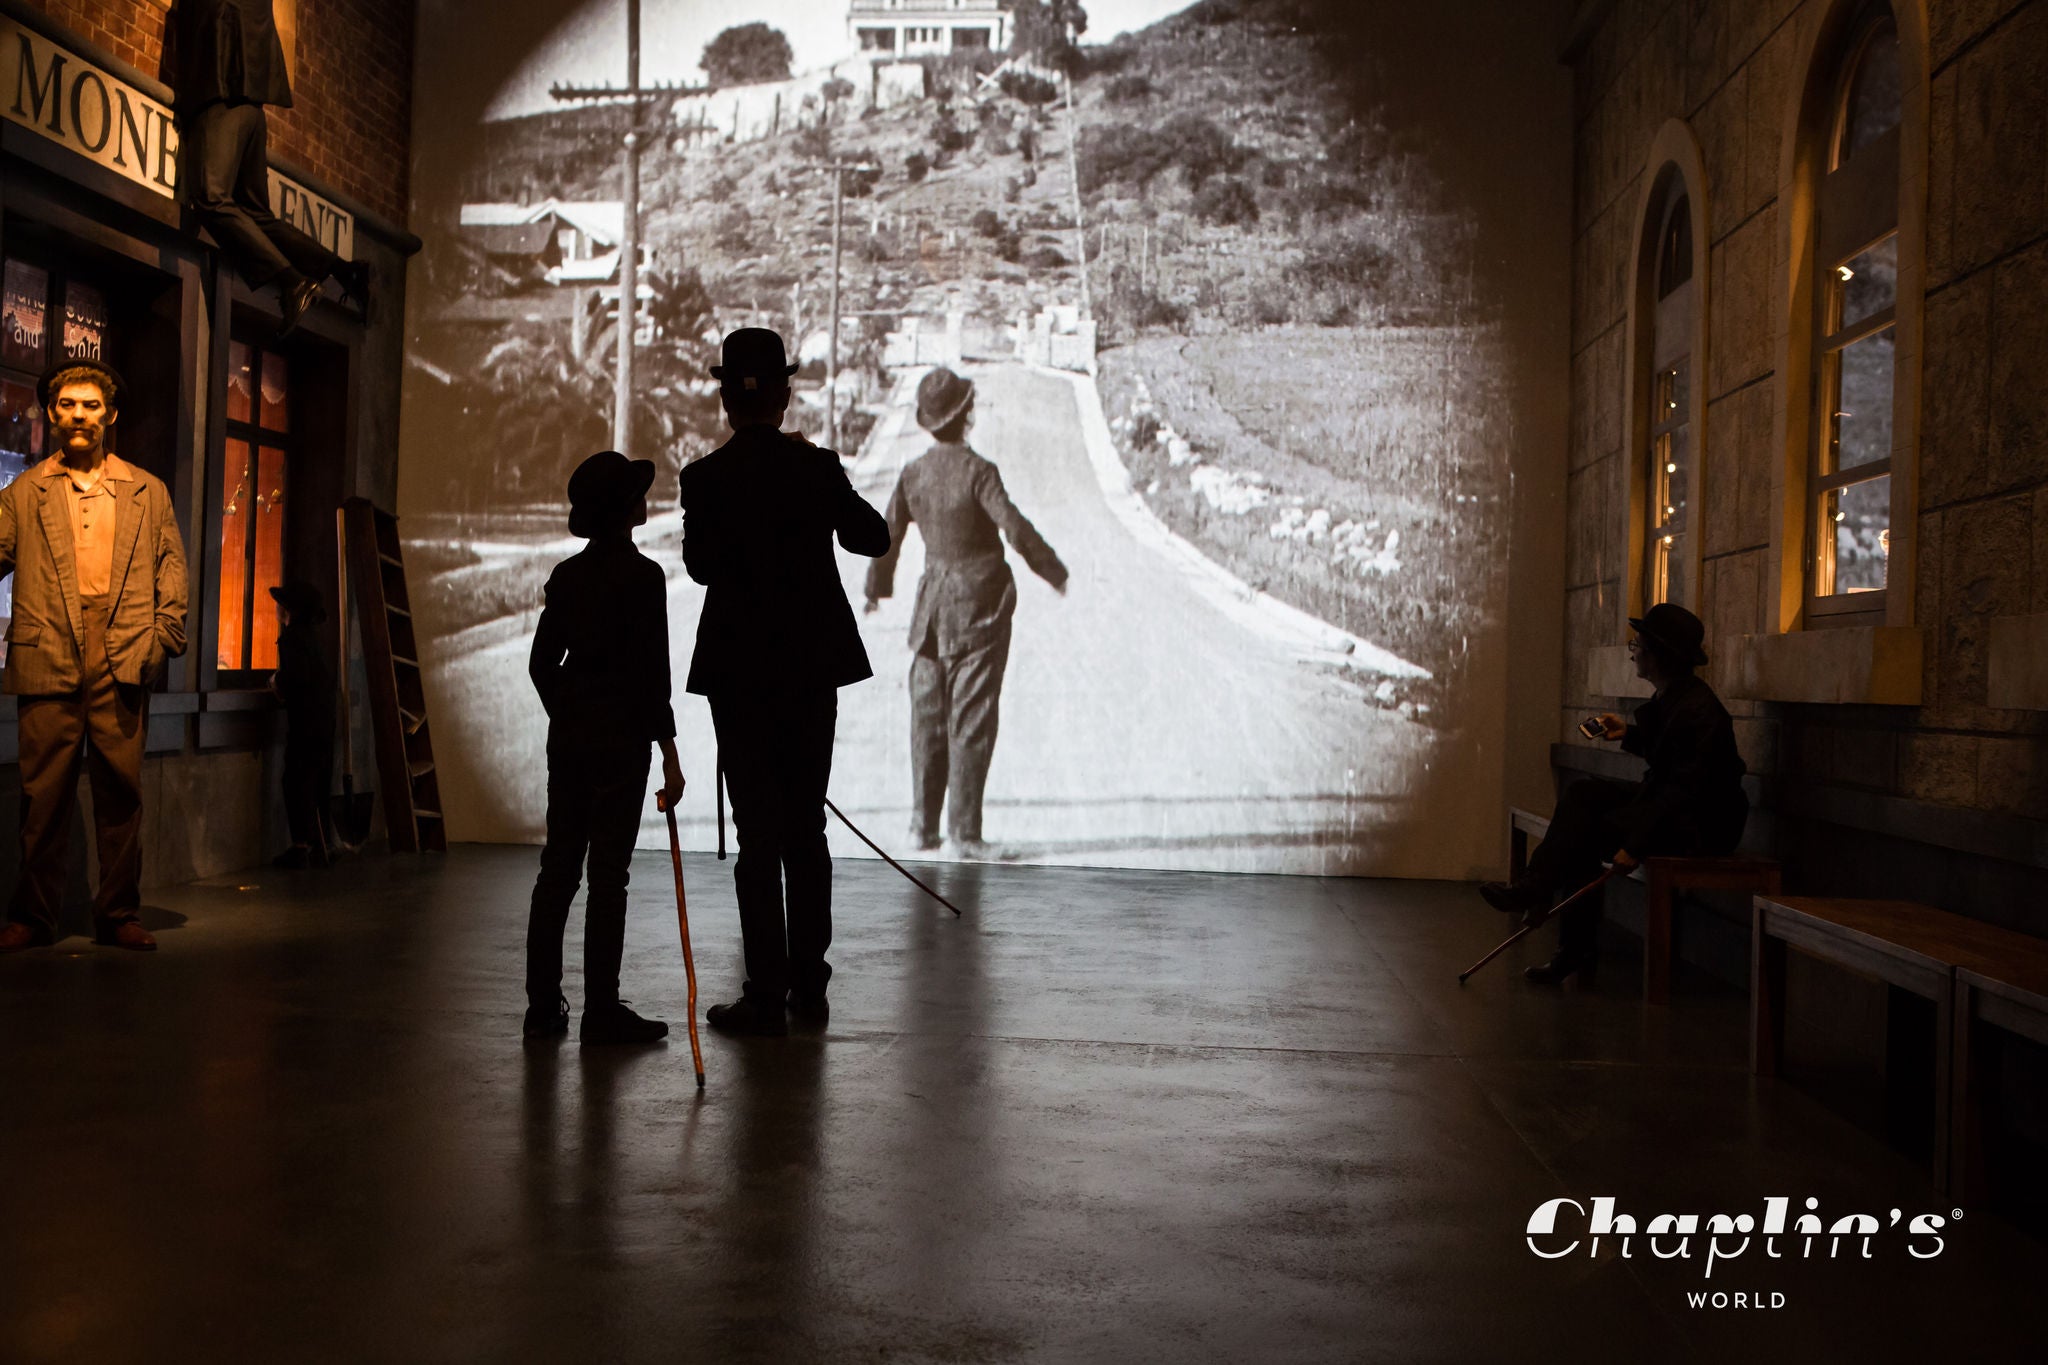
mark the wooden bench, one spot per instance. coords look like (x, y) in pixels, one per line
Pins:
(2006, 992)
(1664, 879)
(1911, 947)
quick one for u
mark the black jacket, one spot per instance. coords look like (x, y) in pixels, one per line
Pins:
(1692, 794)
(600, 653)
(759, 517)
(303, 681)
(229, 50)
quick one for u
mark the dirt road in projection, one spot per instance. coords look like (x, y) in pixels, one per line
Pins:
(1150, 718)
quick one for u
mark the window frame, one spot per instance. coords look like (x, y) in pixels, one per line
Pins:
(1809, 245)
(257, 438)
(1674, 173)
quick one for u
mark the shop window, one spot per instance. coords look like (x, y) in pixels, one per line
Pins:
(255, 477)
(1669, 548)
(1855, 359)
(45, 316)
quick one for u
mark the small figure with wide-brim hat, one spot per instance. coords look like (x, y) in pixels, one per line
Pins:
(600, 663)
(304, 684)
(1690, 802)
(960, 624)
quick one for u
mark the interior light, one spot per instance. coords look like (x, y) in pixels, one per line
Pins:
(1670, 469)
(1845, 272)
(1841, 516)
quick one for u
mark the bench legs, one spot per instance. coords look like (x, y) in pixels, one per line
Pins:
(1767, 1000)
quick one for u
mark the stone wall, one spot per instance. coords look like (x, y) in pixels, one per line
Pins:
(351, 116)
(1727, 68)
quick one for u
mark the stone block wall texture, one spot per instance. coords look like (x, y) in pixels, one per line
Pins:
(350, 123)
(1726, 67)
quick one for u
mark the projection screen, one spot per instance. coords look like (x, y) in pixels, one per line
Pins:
(1250, 329)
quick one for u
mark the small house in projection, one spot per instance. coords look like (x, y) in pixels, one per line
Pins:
(915, 28)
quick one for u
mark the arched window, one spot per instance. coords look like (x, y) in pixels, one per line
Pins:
(1668, 549)
(1855, 353)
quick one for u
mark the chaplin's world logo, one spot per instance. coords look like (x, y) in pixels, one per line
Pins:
(1563, 1227)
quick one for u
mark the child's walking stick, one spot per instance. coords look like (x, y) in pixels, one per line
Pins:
(675, 851)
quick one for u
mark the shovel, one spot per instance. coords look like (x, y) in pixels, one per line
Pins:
(350, 811)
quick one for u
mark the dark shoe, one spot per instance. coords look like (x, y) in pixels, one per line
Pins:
(298, 855)
(745, 1019)
(15, 936)
(1518, 898)
(811, 1011)
(547, 1021)
(355, 284)
(295, 301)
(617, 1024)
(1555, 971)
(126, 934)
(923, 840)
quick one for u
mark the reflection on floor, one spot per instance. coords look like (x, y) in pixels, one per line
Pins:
(1110, 1116)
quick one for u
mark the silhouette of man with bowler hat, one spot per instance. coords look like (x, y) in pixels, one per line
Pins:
(960, 625)
(305, 685)
(1690, 802)
(600, 664)
(776, 641)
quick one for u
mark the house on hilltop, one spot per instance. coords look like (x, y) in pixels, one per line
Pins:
(563, 242)
(916, 28)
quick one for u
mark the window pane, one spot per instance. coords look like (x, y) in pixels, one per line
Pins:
(85, 322)
(1860, 386)
(241, 383)
(21, 445)
(1671, 585)
(1870, 108)
(269, 505)
(234, 557)
(1856, 536)
(275, 414)
(23, 322)
(1866, 284)
(1674, 253)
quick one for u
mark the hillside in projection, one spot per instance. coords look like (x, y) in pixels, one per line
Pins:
(1236, 351)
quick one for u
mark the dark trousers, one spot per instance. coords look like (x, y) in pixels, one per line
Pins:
(308, 775)
(227, 155)
(107, 725)
(595, 798)
(954, 703)
(1589, 827)
(776, 748)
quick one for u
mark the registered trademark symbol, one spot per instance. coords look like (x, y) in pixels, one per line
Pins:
(1954, 1214)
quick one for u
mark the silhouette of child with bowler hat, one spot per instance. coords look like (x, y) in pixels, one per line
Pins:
(600, 663)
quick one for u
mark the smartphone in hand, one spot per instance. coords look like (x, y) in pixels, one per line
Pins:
(1591, 728)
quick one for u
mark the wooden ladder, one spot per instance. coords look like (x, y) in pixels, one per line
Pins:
(391, 661)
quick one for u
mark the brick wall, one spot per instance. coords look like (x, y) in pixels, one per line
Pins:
(351, 120)
(1726, 67)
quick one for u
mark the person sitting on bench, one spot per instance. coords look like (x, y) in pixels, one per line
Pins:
(1690, 802)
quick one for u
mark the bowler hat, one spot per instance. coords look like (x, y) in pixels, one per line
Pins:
(111, 383)
(603, 487)
(1674, 630)
(750, 355)
(301, 599)
(941, 397)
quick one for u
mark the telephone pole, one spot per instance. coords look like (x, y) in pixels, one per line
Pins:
(838, 169)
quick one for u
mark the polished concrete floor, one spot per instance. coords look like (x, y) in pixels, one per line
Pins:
(1108, 1116)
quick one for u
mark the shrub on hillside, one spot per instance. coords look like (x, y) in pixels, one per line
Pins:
(917, 166)
(1129, 89)
(1227, 201)
(1136, 155)
(1029, 88)
(986, 223)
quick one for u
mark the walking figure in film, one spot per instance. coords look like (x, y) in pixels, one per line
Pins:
(229, 64)
(776, 641)
(600, 664)
(1690, 802)
(99, 613)
(960, 624)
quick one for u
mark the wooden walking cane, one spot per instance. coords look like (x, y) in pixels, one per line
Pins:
(675, 853)
(1526, 929)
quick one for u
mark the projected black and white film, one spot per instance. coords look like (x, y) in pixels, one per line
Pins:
(1235, 353)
